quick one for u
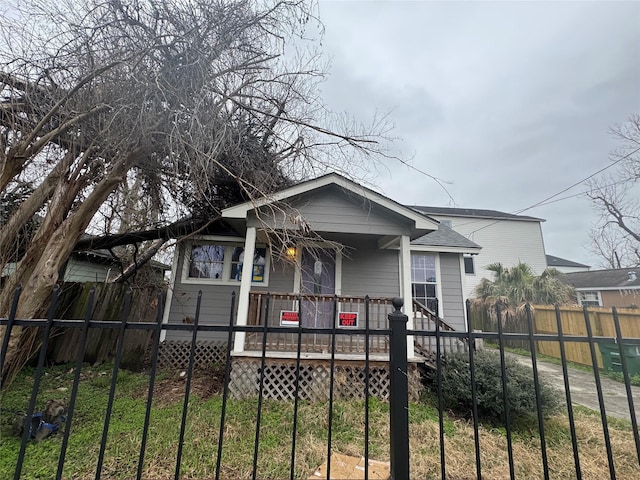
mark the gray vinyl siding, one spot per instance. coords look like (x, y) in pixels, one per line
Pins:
(216, 299)
(214, 309)
(369, 271)
(452, 299)
(331, 210)
(280, 278)
(81, 271)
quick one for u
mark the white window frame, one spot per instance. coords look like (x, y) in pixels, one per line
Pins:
(436, 282)
(229, 244)
(595, 296)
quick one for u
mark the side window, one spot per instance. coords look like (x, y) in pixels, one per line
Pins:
(423, 279)
(589, 299)
(469, 267)
(207, 261)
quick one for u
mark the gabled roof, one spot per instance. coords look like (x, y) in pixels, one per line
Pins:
(563, 262)
(446, 237)
(421, 221)
(475, 213)
(617, 279)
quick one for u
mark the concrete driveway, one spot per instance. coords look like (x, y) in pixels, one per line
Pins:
(583, 388)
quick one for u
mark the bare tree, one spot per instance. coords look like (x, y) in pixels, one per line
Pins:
(616, 196)
(112, 107)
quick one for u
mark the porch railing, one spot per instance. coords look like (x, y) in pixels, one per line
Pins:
(317, 313)
(426, 320)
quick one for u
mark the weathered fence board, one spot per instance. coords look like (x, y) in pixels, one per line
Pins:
(101, 344)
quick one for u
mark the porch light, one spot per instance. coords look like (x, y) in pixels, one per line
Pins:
(291, 252)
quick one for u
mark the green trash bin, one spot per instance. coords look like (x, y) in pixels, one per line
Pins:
(611, 357)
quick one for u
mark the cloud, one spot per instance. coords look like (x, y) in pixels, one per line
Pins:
(512, 101)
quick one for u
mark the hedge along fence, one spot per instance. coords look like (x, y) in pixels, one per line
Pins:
(101, 343)
(573, 323)
(481, 319)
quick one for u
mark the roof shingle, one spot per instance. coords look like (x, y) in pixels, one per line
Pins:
(474, 212)
(620, 278)
(445, 237)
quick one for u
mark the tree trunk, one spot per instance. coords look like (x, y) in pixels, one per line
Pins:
(10, 231)
(42, 276)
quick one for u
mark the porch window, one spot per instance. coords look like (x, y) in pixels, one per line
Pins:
(589, 299)
(207, 261)
(220, 262)
(258, 264)
(423, 279)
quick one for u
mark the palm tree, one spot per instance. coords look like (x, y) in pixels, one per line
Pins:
(515, 286)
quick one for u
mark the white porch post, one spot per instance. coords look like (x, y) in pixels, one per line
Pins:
(405, 285)
(245, 287)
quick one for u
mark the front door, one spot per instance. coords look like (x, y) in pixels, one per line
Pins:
(318, 277)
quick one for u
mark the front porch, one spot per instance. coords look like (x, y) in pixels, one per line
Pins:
(349, 314)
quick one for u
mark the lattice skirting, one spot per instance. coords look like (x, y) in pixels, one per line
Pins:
(279, 380)
(176, 354)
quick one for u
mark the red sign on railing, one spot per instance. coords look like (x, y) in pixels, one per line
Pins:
(289, 318)
(348, 319)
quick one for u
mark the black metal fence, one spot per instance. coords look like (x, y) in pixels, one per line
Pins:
(399, 406)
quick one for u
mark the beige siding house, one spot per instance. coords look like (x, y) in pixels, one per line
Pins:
(618, 287)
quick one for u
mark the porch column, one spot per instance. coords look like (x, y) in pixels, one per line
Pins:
(405, 285)
(245, 287)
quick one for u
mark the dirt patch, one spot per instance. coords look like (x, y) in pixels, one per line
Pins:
(204, 384)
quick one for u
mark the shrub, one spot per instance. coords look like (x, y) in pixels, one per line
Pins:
(521, 395)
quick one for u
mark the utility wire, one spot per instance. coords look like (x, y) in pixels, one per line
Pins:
(439, 181)
(471, 222)
(581, 181)
(543, 202)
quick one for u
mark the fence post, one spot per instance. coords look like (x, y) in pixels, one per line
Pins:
(399, 398)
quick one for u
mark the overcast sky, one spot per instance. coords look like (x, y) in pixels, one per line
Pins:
(509, 101)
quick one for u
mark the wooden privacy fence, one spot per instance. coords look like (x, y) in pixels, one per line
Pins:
(101, 343)
(573, 323)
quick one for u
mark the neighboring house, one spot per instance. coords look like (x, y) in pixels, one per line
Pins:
(88, 266)
(94, 266)
(607, 288)
(564, 265)
(318, 239)
(504, 237)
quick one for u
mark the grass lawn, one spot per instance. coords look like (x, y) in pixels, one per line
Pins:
(201, 439)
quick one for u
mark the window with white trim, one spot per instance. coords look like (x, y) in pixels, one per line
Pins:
(219, 262)
(590, 299)
(423, 279)
(469, 267)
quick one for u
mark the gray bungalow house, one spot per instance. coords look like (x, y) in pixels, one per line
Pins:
(318, 240)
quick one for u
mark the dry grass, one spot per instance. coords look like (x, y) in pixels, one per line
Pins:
(274, 454)
(460, 450)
